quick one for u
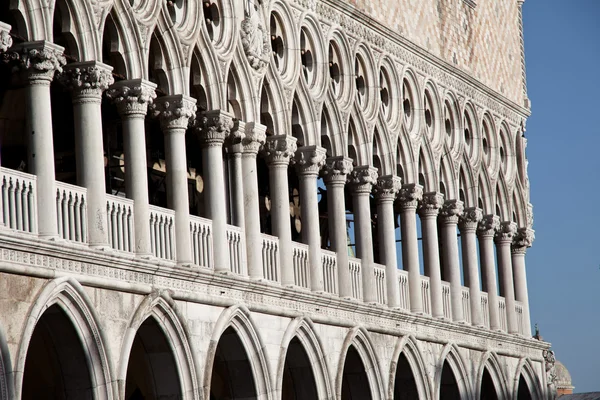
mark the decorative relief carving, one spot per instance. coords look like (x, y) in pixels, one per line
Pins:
(87, 79)
(506, 233)
(309, 159)
(175, 112)
(523, 239)
(255, 38)
(470, 219)
(451, 211)
(431, 203)
(278, 150)
(100, 8)
(387, 187)
(39, 60)
(488, 226)
(336, 170)
(254, 138)
(132, 97)
(5, 39)
(409, 196)
(362, 179)
(213, 127)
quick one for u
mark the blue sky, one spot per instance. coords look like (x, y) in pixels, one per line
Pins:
(562, 49)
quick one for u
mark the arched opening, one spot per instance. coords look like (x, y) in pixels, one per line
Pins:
(523, 393)
(152, 372)
(298, 377)
(488, 390)
(232, 376)
(355, 383)
(405, 386)
(56, 366)
(448, 384)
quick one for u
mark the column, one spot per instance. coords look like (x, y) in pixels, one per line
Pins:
(468, 226)
(335, 172)
(429, 209)
(486, 230)
(523, 240)
(132, 99)
(87, 81)
(174, 113)
(504, 237)
(38, 62)
(410, 195)
(234, 149)
(308, 161)
(212, 129)
(253, 139)
(361, 181)
(278, 150)
(449, 215)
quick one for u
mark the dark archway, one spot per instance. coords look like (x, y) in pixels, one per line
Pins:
(355, 383)
(298, 376)
(523, 392)
(488, 390)
(232, 376)
(405, 386)
(448, 385)
(56, 366)
(152, 372)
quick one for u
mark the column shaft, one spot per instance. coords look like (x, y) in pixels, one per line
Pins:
(428, 211)
(504, 238)
(468, 227)
(409, 196)
(485, 232)
(449, 219)
(518, 261)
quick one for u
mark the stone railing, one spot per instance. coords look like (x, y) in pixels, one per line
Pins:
(162, 232)
(520, 319)
(300, 265)
(270, 257)
(446, 298)
(426, 295)
(71, 212)
(330, 276)
(466, 304)
(485, 310)
(404, 290)
(502, 309)
(119, 212)
(201, 241)
(237, 249)
(354, 265)
(380, 285)
(19, 200)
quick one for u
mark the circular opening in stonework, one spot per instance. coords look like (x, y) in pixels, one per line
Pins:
(406, 107)
(277, 43)
(502, 155)
(361, 87)
(486, 147)
(448, 125)
(334, 69)
(467, 137)
(428, 118)
(212, 19)
(307, 58)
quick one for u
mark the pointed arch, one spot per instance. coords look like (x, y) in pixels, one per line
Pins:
(451, 355)
(303, 329)
(331, 137)
(525, 370)
(491, 364)
(383, 141)
(467, 184)
(70, 297)
(162, 309)
(409, 347)
(205, 80)
(486, 194)
(131, 46)
(358, 338)
(272, 101)
(410, 103)
(6, 384)
(447, 177)
(306, 117)
(502, 200)
(427, 175)
(406, 166)
(356, 144)
(519, 205)
(78, 21)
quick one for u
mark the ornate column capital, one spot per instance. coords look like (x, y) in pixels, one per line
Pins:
(213, 127)
(87, 80)
(387, 188)
(279, 149)
(451, 211)
(362, 179)
(506, 233)
(409, 196)
(233, 143)
(488, 226)
(523, 240)
(430, 204)
(37, 60)
(469, 220)
(175, 112)
(5, 39)
(254, 137)
(336, 170)
(309, 160)
(132, 97)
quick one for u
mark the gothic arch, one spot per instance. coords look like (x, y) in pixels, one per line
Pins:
(281, 12)
(6, 384)
(502, 199)
(308, 120)
(519, 205)
(389, 73)
(340, 45)
(452, 356)
(310, 27)
(525, 369)
(161, 307)
(382, 148)
(70, 296)
(410, 93)
(129, 40)
(406, 166)
(486, 194)
(331, 120)
(490, 363)
(238, 318)
(303, 329)
(433, 123)
(369, 110)
(358, 141)
(447, 176)
(248, 97)
(408, 346)
(427, 174)
(204, 71)
(467, 184)
(358, 337)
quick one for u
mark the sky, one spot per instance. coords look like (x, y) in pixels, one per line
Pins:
(562, 50)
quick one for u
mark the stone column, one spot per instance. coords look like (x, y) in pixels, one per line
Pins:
(486, 230)
(175, 113)
(132, 99)
(234, 151)
(361, 181)
(504, 237)
(468, 226)
(278, 151)
(213, 128)
(308, 161)
(449, 215)
(385, 192)
(408, 199)
(253, 139)
(87, 81)
(523, 239)
(38, 62)
(429, 209)
(335, 172)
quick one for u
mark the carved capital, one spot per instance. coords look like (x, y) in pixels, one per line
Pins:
(38, 61)
(336, 170)
(5, 39)
(409, 196)
(469, 220)
(279, 149)
(213, 127)
(523, 239)
(387, 187)
(87, 80)
(451, 211)
(254, 137)
(488, 226)
(431, 204)
(309, 160)
(506, 233)
(233, 143)
(362, 179)
(175, 112)
(132, 97)
(529, 215)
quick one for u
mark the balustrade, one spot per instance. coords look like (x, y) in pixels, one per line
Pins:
(71, 212)
(300, 265)
(520, 318)
(330, 276)
(119, 212)
(404, 290)
(502, 309)
(19, 200)
(354, 265)
(380, 285)
(485, 312)
(162, 232)
(466, 304)
(201, 241)
(446, 301)
(270, 257)
(426, 295)
(237, 249)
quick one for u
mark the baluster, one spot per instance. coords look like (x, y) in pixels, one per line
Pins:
(128, 230)
(18, 206)
(120, 213)
(5, 204)
(26, 215)
(110, 226)
(11, 196)
(153, 233)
